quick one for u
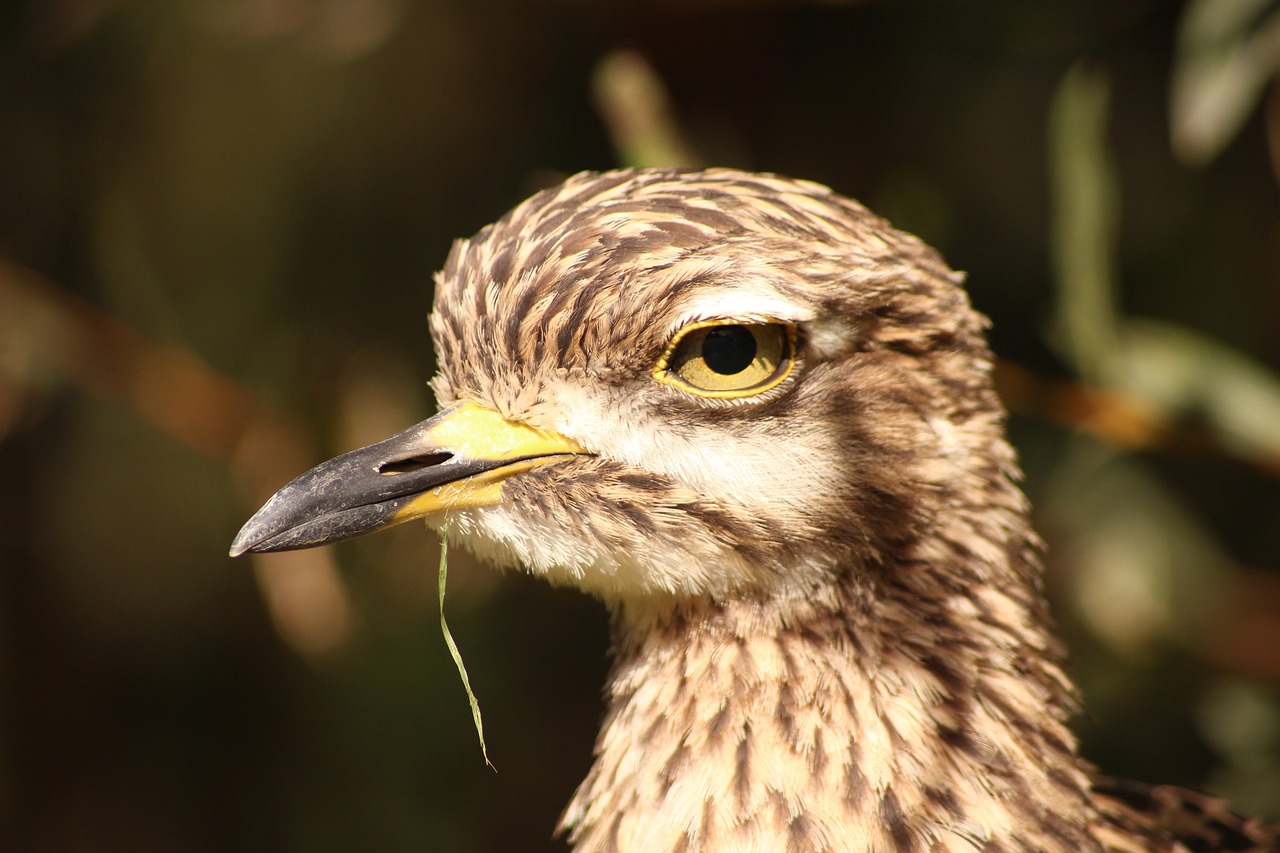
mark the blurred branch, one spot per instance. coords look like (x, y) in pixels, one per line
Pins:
(48, 335)
(1142, 570)
(1106, 415)
(1249, 642)
(1118, 419)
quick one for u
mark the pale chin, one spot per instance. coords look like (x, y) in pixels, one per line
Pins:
(507, 538)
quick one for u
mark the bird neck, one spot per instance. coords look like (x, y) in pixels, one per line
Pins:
(852, 717)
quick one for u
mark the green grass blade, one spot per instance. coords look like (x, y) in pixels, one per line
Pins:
(453, 648)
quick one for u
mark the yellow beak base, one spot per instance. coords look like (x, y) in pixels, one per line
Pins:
(455, 460)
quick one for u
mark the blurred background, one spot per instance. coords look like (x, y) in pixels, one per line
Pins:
(218, 224)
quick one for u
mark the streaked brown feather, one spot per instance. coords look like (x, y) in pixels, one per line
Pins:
(862, 661)
(1175, 819)
(829, 632)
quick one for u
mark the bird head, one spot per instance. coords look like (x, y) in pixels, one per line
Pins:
(661, 383)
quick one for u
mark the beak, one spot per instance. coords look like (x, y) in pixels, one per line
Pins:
(455, 460)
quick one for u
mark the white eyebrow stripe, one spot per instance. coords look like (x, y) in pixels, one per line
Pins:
(828, 337)
(739, 302)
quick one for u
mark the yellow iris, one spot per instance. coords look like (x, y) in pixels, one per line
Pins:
(727, 359)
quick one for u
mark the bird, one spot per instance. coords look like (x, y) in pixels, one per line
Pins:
(758, 423)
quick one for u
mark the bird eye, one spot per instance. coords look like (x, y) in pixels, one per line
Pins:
(726, 359)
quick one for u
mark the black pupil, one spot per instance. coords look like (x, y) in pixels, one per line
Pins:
(729, 349)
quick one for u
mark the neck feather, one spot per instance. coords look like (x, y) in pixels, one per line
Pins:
(865, 715)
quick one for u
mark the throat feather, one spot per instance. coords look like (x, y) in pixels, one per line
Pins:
(824, 723)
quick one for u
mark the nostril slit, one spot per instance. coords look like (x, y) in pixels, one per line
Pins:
(414, 463)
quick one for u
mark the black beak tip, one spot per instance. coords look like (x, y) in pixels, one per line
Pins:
(247, 540)
(274, 518)
(352, 494)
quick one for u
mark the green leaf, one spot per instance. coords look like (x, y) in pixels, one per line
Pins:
(1085, 229)
(1176, 371)
(1226, 54)
(634, 103)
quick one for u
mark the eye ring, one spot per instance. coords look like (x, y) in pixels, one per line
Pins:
(728, 359)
